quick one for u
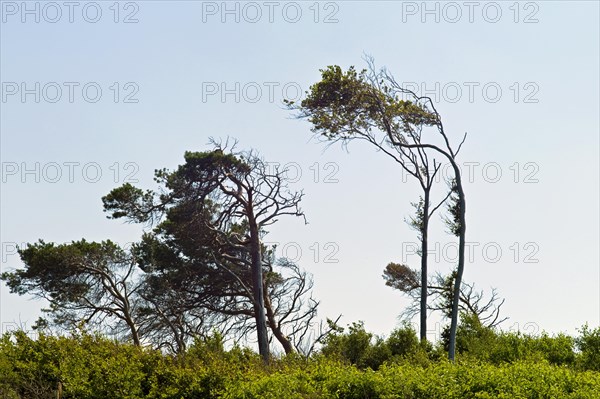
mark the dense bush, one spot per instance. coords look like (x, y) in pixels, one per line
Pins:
(353, 364)
(364, 350)
(439, 381)
(86, 366)
(589, 345)
(485, 344)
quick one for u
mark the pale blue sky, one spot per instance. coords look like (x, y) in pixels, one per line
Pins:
(545, 124)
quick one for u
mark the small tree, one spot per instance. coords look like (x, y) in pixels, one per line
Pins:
(440, 288)
(85, 282)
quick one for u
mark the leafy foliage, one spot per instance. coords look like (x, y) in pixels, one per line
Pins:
(589, 345)
(477, 341)
(346, 104)
(441, 289)
(85, 366)
(85, 282)
(363, 349)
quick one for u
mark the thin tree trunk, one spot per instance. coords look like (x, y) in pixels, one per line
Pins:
(257, 288)
(461, 263)
(424, 237)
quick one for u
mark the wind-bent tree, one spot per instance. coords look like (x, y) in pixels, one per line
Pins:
(370, 106)
(84, 281)
(231, 197)
(440, 288)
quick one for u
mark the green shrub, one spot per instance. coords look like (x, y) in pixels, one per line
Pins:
(364, 350)
(589, 345)
(485, 344)
(356, 347)
(403, 341)
(557, 350)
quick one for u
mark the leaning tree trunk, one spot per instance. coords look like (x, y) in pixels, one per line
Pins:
(257, 288)
(461, 262)
(461, 242)
(283, 340)
(135, 334)
(424, 229)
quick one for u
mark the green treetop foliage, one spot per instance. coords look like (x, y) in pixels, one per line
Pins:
(343, 105)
